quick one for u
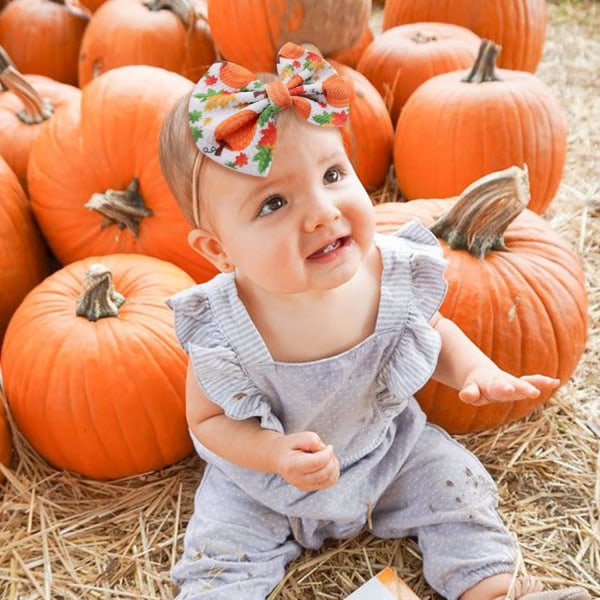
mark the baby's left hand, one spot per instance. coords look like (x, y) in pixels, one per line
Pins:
(485, 385)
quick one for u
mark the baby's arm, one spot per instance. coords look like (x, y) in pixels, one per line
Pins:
(302, 459)
(463, 366)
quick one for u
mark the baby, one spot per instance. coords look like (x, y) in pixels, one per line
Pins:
(306, 351)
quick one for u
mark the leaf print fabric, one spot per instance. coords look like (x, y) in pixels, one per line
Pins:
(233, 115)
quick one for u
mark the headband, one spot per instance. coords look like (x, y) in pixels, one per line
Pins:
(232, 113)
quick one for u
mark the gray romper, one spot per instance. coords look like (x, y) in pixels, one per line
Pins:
(399, 474)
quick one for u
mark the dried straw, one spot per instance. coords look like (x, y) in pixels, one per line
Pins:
(64, 537)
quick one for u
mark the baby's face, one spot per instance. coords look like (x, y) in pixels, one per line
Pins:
(307, 226)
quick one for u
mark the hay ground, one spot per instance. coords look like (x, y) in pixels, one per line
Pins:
(63, 537)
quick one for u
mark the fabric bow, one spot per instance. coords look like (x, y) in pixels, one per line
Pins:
(233, 115)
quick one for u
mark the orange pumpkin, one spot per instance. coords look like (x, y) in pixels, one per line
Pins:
(399, 60)
(251, 33)
(163, 33)
(94, 177)
(23, 255)
(350, 56)
(369, 133)
(28, 102)
(515, 287)
(519, 26)
(458, 126)
(94, 374)
(53, 29)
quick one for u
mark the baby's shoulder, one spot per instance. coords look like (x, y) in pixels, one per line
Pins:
(410, 238)
(413, 265)
(195, 310)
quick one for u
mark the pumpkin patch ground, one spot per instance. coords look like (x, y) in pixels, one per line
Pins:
(66, 536)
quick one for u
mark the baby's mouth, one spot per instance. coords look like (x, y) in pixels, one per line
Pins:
(329, 248)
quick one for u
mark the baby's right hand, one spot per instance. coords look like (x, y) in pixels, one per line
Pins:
(305, 462)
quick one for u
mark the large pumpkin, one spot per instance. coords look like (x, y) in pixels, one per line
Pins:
(459, 126)
(94, 177)
(93, 371)
(399, 60)
(519, 26)
(350, 56)
(518, 294)
(23, 255)
(43, 37)
(163, 33)
(28, 101)
(251, 33)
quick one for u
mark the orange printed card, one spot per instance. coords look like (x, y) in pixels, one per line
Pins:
(386, 585)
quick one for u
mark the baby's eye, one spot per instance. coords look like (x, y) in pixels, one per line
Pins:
(271, 204)
(333, 175)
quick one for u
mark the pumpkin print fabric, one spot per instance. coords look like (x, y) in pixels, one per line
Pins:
(233, 115)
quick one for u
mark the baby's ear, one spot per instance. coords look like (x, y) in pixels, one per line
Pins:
(207, 245)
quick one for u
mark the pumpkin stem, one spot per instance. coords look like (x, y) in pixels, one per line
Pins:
(100, 299)
(75, 8)
(125, 208)
(484, 68)
(423, 37)
(182, 8)
(35, 109)
(477, 221)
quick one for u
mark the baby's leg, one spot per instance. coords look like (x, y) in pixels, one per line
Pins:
(233, 546)
(445, 497)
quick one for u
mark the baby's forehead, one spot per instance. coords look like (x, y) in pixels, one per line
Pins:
(296, 160)
(294, 134)
(303, 149)
(300, 148)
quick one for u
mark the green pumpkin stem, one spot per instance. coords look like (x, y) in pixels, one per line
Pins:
(124, 208)
(477, 221)
(484, 68)
(184, 9)
(35, 109)
(100, 298)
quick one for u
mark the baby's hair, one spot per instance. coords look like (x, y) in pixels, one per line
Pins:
(181, 161)
(177, 153)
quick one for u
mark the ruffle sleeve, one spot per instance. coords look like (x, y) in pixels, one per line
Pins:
(427, 266)
(216, 365)
(417, 274)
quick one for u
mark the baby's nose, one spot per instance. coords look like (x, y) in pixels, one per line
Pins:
(321, 212)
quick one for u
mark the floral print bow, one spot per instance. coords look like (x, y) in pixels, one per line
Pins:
(233, 115)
